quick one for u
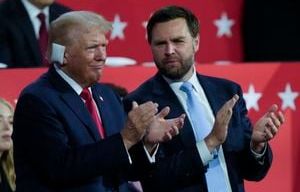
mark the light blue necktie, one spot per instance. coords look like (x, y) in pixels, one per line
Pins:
(196, 112)
(215, 175)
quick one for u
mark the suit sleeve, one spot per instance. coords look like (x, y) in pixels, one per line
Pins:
(41, 140)
(253, 169)
(5, 50)
(172, 170)
(169, 172)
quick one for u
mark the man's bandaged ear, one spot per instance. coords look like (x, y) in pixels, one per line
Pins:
(57, 53)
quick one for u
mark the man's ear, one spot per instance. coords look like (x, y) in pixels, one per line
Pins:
(58, 53)
(65, 60)
(196, 42)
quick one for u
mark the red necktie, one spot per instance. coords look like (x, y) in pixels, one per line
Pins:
(43, 38)
(92, 108)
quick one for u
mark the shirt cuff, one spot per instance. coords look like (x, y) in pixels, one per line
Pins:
(128, 155)
(151, 158)
(204, 153)
(3, 65)
(259, 156)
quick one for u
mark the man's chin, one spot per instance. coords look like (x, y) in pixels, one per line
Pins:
(99, 75)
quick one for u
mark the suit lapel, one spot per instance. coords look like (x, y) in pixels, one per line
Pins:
(216, 100)
(77, 106)
(53, 14)
(213, 96)
(23, 22)
(74, 102)
(101, 98)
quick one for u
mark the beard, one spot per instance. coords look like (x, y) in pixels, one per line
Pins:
(176, 72)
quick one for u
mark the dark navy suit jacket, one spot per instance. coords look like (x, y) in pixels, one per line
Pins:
(18, 44)
(57, 146)
(179, 167)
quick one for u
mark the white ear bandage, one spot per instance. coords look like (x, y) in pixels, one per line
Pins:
(57, 54)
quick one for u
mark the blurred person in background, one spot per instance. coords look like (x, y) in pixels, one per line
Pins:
(23, 31)
(7, 171)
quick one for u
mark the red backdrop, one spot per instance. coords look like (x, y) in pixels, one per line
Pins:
(263, 84)
(219, 25)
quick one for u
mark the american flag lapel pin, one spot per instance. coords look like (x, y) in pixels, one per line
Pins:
(101, 98)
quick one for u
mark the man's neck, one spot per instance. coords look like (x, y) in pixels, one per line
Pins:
(37, 5)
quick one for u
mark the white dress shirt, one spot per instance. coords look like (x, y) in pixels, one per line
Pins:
(33, 12)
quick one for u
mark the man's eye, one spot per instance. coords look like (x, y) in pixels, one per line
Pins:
(160, 43)
(91, 48)
(178, 41)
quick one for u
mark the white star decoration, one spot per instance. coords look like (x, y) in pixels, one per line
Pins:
(224, 25)
(252, 98)
(288, 97)
(118, 28)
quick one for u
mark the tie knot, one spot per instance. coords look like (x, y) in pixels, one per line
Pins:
(41, 17)
(85, 94)
(186, 87)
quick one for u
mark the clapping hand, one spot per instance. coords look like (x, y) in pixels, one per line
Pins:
(139, 119)
(219, 132)
(161, 129)
(266, 128)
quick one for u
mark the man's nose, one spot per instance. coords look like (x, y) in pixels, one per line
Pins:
(169, 49)
(100, 52)
(6, 124)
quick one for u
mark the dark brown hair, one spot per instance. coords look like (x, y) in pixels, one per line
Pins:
(170, 13)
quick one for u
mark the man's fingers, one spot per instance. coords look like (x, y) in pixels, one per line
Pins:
(134, 104)
(232, 101)
(281, 117)
(228, 108)
(276, 116)
(168, 136)
(148, 109)
(178, 121)
(273, 108)
(275, 119)
(181, 120)
(164, 112)
(174, 130)
(182, 116)
(227, 117)
(271, 127)
(142, 115)
(269, 134)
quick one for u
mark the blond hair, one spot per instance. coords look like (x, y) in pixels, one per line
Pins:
(6, 159)
(69, 26)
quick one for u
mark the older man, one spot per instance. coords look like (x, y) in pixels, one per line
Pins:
(70, 131)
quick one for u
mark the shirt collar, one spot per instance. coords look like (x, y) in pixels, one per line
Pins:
(176, 84)
(77, 88)
(33, 11)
